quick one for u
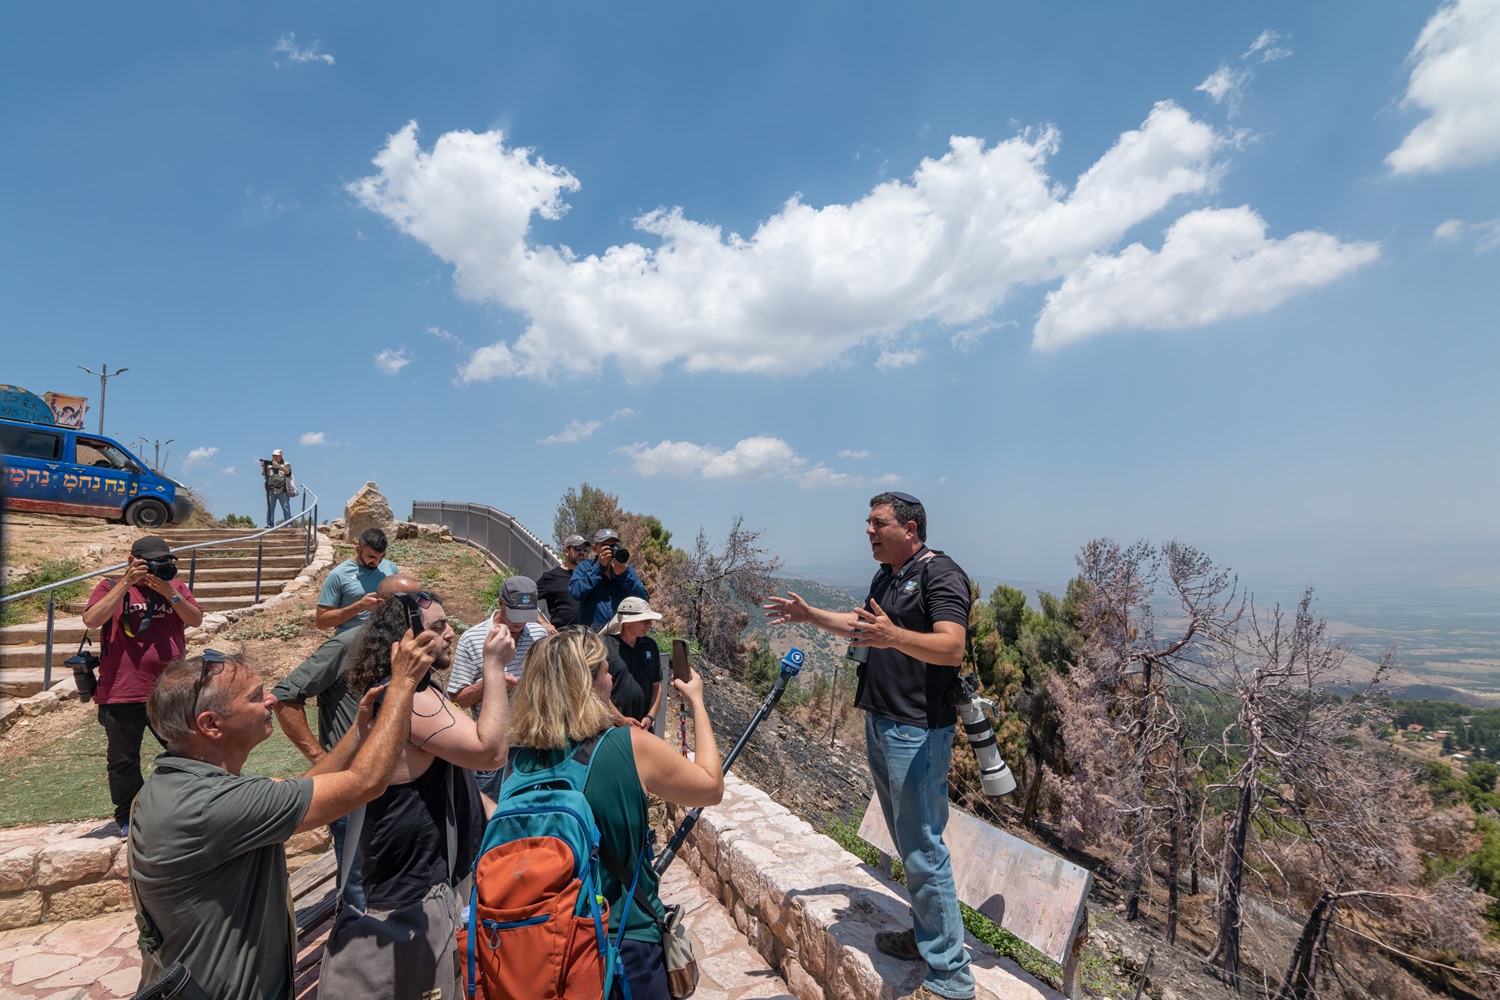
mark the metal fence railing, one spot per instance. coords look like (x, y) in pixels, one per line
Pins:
(494, 531)
(306, 519)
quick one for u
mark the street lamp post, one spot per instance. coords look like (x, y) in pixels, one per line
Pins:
(104, 376)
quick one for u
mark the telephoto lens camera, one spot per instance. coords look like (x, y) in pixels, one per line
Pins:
(162, 569)
(974, 713)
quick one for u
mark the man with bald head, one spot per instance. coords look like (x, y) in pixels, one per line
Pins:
(208, 842)
(318, 677)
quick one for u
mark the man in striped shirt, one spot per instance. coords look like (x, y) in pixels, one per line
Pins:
(517, 612)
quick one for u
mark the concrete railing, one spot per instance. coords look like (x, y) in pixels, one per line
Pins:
(494, 531)
(811, 909)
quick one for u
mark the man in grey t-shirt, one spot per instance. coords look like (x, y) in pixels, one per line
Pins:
(208, 852)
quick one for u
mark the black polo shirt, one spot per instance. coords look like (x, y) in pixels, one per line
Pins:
(633, 669)
(902, 688)
(552, 587)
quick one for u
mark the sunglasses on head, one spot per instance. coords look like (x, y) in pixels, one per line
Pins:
(415, 601)
(213, 663)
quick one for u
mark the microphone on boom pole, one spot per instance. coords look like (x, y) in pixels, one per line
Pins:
(791, 665)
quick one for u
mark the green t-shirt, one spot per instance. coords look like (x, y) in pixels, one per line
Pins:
(209, 858)
(318, 677)
(614, 793)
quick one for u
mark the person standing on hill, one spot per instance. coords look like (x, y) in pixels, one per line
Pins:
(142, 620)
(278, 476)
(913, 624)
(601, 583)
(552, 586)
(348, 594)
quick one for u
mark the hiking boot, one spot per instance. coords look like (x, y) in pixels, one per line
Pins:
(900, 944)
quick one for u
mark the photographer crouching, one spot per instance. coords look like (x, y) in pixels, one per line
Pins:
(142, 619)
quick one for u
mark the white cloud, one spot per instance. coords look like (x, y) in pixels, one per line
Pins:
(392, 361)
(854, 453)
(1456, 80)
(950, 244)
(760, 457)
(1226, 85)
(1214, 265)
(1449, 231)
(228, 470)
(198, 455)
(576, 430)
(891, 479)
(889, 360)
(1489, 235)
(820, 476)
(287, 46)
(1267, 48)
(1486, 234)
(265, 204)
(313, 438)
(444, 335)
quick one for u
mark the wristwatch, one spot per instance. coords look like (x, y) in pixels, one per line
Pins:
(176, 599)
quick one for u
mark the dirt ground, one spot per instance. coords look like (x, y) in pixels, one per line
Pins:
(32, 539)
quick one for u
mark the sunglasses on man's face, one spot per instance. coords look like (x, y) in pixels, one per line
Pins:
(213, 663)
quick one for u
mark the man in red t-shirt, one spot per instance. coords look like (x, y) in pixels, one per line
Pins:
(141, 619)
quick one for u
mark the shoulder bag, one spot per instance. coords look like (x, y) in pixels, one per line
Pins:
(409, 953)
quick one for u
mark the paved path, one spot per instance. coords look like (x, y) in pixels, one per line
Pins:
(96, 959)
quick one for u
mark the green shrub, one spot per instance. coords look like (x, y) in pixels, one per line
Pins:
(34, 608)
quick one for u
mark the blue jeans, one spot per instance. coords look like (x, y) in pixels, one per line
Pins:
(909, 766)
(286, 506)
(354, 892)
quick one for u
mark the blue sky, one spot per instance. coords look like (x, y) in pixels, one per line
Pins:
(1225, 273)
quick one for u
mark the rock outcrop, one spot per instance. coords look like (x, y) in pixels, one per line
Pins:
(368, 509)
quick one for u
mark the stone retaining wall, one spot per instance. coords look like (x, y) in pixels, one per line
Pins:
(811, 909)
(70, 871)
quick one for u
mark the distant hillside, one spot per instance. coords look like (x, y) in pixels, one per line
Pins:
(823, 650)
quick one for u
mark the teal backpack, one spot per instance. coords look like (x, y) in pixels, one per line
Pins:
(538, 924)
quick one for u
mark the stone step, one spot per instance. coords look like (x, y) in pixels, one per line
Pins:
(202, 533)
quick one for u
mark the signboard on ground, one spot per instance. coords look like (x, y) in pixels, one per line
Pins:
(1031, 892)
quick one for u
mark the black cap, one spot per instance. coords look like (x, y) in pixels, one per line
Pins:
(150, 547)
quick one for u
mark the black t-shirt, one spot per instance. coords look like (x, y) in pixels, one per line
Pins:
(633, 669)
(552, 587)
(405, 836)
(918, 595)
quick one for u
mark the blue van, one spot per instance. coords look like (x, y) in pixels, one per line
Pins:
(66, 470)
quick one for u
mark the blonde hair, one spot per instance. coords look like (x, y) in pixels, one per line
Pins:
(555, 705)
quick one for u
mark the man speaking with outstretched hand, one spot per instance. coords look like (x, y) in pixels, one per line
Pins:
(912, 628)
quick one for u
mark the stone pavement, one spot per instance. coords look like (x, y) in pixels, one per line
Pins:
(96, 959)
(92, 959)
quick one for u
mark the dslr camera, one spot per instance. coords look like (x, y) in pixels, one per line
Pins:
(162, 569)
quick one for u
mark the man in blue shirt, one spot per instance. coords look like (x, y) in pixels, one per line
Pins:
(349, 592)
(601, 583)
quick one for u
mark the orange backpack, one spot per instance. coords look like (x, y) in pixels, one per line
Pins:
(538, 923)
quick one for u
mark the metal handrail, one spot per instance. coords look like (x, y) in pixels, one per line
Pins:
(301, 515)
(514, 531)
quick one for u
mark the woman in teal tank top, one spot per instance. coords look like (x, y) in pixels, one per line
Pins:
(562, 707)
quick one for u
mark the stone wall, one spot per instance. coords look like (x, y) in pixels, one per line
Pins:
(69, 871)
(811, 909)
